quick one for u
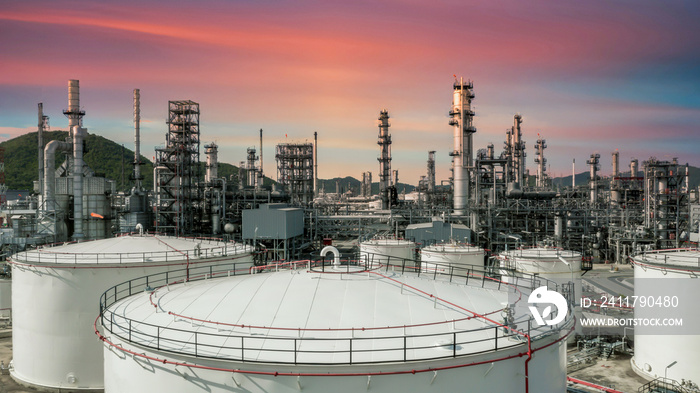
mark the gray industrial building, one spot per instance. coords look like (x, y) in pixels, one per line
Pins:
(276, 226)
(437, 231)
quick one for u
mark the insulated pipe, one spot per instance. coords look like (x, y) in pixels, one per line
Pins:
(137, 137)
(50, 171)
(78, 135)
(334, 251)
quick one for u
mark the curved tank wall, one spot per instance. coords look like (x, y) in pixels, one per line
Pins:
(380, 251)
(652, 353)
(56, 292)
(543, 261)
(5, 297)
(547, 263)
(451, 254)
(326, 331)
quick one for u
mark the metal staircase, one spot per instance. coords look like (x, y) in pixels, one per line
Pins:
(664, 385)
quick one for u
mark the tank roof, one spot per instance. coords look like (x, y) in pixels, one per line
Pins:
(132, 249)
(388, 242)
(306, 316)
(453, 248)
(541, 253)
(676, 257)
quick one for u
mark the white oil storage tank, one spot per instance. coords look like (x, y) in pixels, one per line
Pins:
(556, 264)
(55, 294)
(381, 250)
(666, 288)
(337, 328)
(547, 262)
(436, 255)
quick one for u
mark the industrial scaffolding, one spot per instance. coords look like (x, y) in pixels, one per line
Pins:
(295, 170)
(177, 171)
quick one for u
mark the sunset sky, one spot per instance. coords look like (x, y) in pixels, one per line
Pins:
(588, 76)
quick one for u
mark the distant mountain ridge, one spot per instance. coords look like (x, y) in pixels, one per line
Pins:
(107, 158)
(583, 177)
(329, 185)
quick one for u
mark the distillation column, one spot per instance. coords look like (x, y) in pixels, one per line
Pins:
(431, 172)
(384, 158)
(541, 161)
(615, 183)
(594, 163)
(518, 150)
(212, 152)
(251, 170)
(461, 119)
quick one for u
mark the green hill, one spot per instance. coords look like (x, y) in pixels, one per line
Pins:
(105, 157)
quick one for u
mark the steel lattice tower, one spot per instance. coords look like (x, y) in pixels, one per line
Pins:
(178, 171)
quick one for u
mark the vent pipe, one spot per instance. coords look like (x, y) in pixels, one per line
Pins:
(40, 145)
(137, 138)
(260, 172)
(316, 164)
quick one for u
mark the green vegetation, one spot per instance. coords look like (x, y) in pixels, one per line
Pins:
(102, 156)
(105, 157)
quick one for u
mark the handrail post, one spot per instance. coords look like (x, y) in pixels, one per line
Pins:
(495, 338)
(404, 348)
(454, 344)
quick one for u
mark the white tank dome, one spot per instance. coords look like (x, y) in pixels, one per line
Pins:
(55, 290)
(329, 330)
